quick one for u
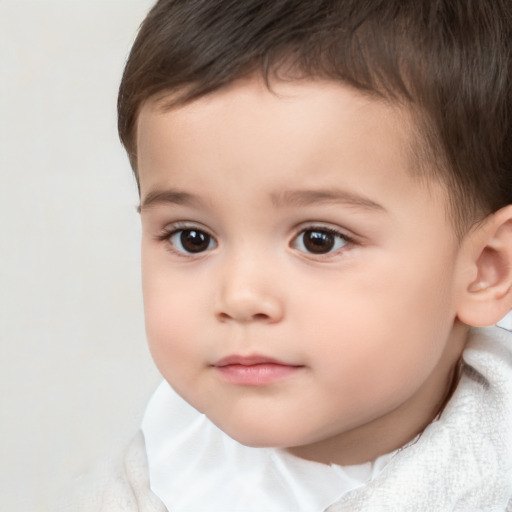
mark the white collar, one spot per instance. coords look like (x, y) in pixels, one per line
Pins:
(194, 466)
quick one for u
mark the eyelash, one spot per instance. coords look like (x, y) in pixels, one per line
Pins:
(172, 230)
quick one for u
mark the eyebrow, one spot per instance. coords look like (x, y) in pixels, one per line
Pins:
(312, 197)
(280, 199)
(170, 196)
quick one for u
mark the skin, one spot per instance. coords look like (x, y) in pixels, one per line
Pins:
(370, 326)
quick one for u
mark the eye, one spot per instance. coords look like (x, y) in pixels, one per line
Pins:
(320, 241)
(191, 241)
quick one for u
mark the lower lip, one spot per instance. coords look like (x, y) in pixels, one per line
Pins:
(256, 374)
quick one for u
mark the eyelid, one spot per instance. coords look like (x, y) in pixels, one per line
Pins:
(321, 226)
(173, 227)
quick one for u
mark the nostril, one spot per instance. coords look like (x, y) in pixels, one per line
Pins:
(247, 307)
(257, 317)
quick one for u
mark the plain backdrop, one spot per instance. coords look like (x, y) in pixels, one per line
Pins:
(75, 372)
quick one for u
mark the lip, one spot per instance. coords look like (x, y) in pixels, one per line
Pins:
(254, 370)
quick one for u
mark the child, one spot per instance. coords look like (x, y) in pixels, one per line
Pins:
(326, 203)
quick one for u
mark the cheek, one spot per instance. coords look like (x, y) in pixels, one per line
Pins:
(383, 330)
(406, 289)
(171, 317)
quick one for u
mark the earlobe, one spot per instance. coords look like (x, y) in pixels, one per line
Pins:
(487, 294)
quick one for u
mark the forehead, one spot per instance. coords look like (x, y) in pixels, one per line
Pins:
(289, 101)
(311, 111)
(315, 133)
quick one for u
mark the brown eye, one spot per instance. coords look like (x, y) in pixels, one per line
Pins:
(319, 241)
(190, 241)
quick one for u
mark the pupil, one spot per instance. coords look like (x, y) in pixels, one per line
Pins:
(318, 242)
(194, 241)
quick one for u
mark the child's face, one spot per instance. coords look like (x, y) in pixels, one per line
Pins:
(300, 283)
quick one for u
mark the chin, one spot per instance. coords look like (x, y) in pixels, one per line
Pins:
(262, 437)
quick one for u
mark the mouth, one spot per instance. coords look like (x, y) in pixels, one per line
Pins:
(255, 370)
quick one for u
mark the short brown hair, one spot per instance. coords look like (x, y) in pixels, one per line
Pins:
(449, 60)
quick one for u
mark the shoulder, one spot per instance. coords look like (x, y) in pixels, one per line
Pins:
(119, 484)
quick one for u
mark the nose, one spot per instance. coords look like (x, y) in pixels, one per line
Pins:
(248, 293)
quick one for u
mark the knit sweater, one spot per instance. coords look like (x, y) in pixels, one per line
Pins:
(462, 462)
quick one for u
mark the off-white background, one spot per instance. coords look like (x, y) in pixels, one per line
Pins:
(74, 369)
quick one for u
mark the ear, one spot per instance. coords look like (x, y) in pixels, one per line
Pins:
(487, 283)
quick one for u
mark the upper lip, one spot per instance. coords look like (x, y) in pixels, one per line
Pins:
(249, 360)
